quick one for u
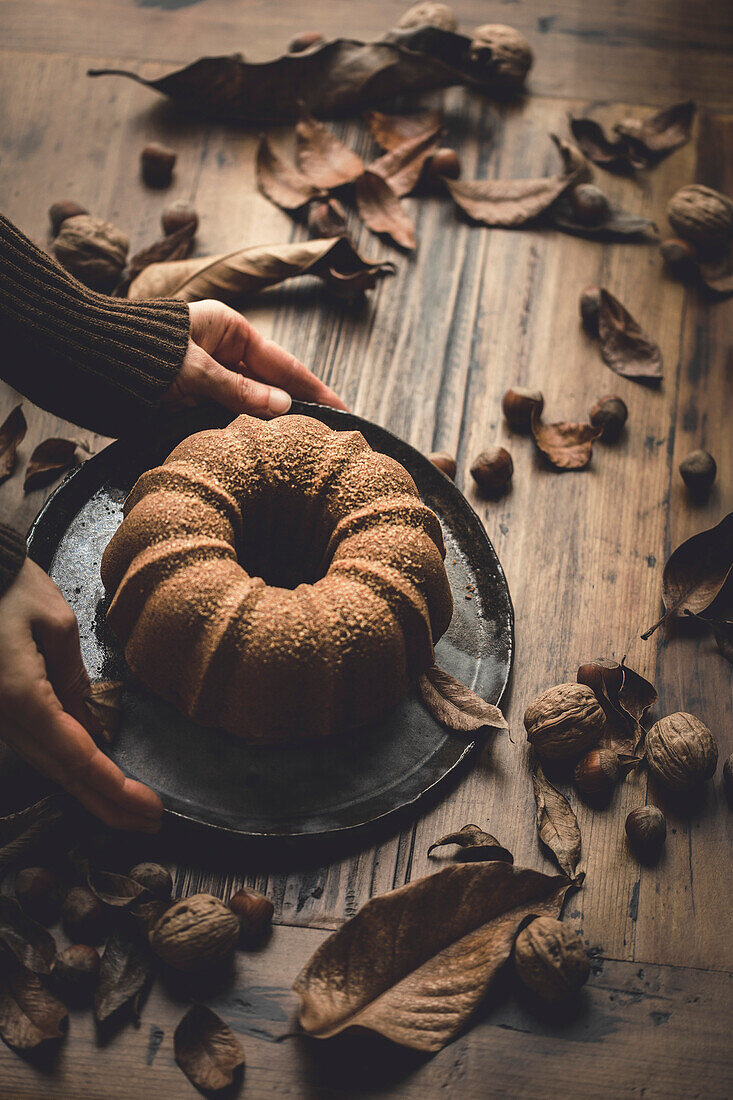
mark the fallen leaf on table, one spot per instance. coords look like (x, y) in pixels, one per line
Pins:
(27, 832)
(119, 891)
(207, 1051)
(234, 277)
(172, 246)
(414, 964)
(31, 944)
(509, 203)
(391, 131)
(624, 347)
(104, 703)
(625, 696)
(723, 632)
(281, 182)
(401, 167)
(29, 1014)
(695, 573)
(619, 225)
(12, 433)
(654, 137)
(567, 445)
(381, 211)
(123, 974)
(475, 845)
(322, 157)
(49, 460)
(557, 825)
(326, 217)
(602, 150)
(455, 706)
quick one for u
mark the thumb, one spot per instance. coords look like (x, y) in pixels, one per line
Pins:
(240, 394)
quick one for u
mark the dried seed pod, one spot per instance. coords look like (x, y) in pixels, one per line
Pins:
(60, 211)
(39, 893)
(681, 751)
(253, 911)
(155, 878)
(679, 256)
(428, 13)
(702, 216)
(564, 721)
(550, 959)
(304, 41)
(517, 405)
(157, 162)
(511, 52)
(195, 931)
(610, 414)
(728, 779)
(92, 250)
(589, 204)
(646, 829)
(75, 973)
(590, 308)
(597, 773)
(444, 462)
(492, 470)
(82, 916)
(177, 216)
(444, 164)
(698, 470)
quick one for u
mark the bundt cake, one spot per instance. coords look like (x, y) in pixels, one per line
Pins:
(278, 579)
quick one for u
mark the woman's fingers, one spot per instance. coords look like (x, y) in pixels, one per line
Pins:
(266, 360)
(243, 395)
(57, 636)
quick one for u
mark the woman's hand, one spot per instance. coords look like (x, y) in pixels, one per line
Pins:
(43, 683)
(230, 362)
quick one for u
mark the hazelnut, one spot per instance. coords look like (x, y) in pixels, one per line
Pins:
(681, 751)
(157, 162)
(597, 773)
(93, 250)
(82, 916)
(511, 53)
(444, 164)
(589, 204)
(728, 779)
(550, 959)
(254, 912)
(156, 879)
(428, 13)
(517, 406)
(590, 308)
(177, 216)
(444, 462)
(646, 830)
(698, 470)
(602, 676)
(75, 973)
(492, 470)
(304, 41)
(702, 216)
(60, 211)
(679, 256)
(564, 721)
(609, 414)
(39, 893)
(194, 932)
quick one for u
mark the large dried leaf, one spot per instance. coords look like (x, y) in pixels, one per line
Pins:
(32, 945)
(619, 225)
(475, 845)
(455, 706)
(696, 572)
(122, 976)
(401, 167)
(381, 210)
(104, 702)
(49, 460)
(625, 696)
(119, 891)
(208, 1051)
(557, 825)
(29, 1014)
(335, 78)
(391, 131)
(614, 155)
(568, 446)
(322, 157)
(508, 203)
(12, 433)
(236, 276)
(279, 181)
(652, 138)
(624, 347)
(172, 246)
(414, 964)
(35, 828)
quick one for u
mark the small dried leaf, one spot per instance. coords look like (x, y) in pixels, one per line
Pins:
(568, 446)
(455, 706)
(624, 347)
(326, 218)
(32, 829)
(322, 157)
(592, 139)
(12, 433)
(654, 137)
(29, 1013)
(717, 274)
(48, 461)
(402, 166)
(104, 703)
(625, 697)
(118, 891)
(281, 182)
(508, 203)
(31, 944)
(475, 845)
(620, 225)
(208, 1051)
(122, 976)
(557, 825)
(381, 210)
(172, 246)
(391, 131)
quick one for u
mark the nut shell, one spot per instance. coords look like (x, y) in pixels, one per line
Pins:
(598, 772)
(177, 216)
(58, 212)
(550, 959)
(698, 470)
(253, 911)
(444, 462)
(679, 256)
(610, 414)
(93, 250)
(564, 721)
(681, 751)
(155, 878)
(444, 164)
(517, 405)
(512, 53)
(157, 163)
(427, 13)
(590, 308)
(492, 470)
(646, 830)
(195, 931)
(589, 204)
(701, 215)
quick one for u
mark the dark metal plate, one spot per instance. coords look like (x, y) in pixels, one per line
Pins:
(214, 779)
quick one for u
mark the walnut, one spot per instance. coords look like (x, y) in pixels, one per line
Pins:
(550, 959)
(427, 13)
(701, 215)
(564, 721)
(195, 931)
(512, 53)
(92, 250)
(681, 751)
(155, 878)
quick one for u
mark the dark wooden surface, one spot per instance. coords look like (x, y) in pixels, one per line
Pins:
(429, 356)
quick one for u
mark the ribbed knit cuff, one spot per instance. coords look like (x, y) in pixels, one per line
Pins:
(12, 556)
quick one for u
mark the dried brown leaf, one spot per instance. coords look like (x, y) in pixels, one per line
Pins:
(322, 157)
(723, 632)
(568, 446)
(401, 167)
(654, 137)
(573, 160)
(455, 706)
(381, 211)
(279, 181)
(414, 964)
(602, 150)
(326, 218)
(123, 975)
(625, 696)
(391, 131)
(557, 825)
(624, 347)
(475, 845)
(29, 1014)
(49, 460)
(508, 203)
(12, 433)
(104, 705)
(31, 944)
(208, 1051)
(172, 246)
(119, 891)
(31, 830)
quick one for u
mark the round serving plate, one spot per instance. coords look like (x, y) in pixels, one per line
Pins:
(213, 779)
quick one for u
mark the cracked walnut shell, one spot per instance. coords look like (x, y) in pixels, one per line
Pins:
(195, 931)
(564, 721)
(681, 751)
(550, 959)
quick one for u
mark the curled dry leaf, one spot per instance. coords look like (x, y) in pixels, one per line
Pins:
(447, 934)
(557, 825)
(722, 631)
(104, 703)
(455, 706)
(123, 974)
(625, 696)
(614, 155)
(624, 347)
(475, 845)
(573, 160)
(391, 131)
(31, 944)
(381, 210)
(172, 246)
(208, 1051)
(568, 446)
(322, 157)
(652, 138)
(697, 571)
(29, 831)
(618, 225)
(281, 182)
(508, 203)
(119, 891)
(238, 275)
(12, 433)
(29, 1014)
(401, 167)
(49, 460)
(326, 218)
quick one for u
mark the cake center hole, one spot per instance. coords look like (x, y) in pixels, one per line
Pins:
(282, 547)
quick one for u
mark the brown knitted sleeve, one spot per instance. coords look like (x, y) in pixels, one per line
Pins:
(12, 555)
(101, 362)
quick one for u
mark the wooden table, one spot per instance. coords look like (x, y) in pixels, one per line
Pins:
(429, 356)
